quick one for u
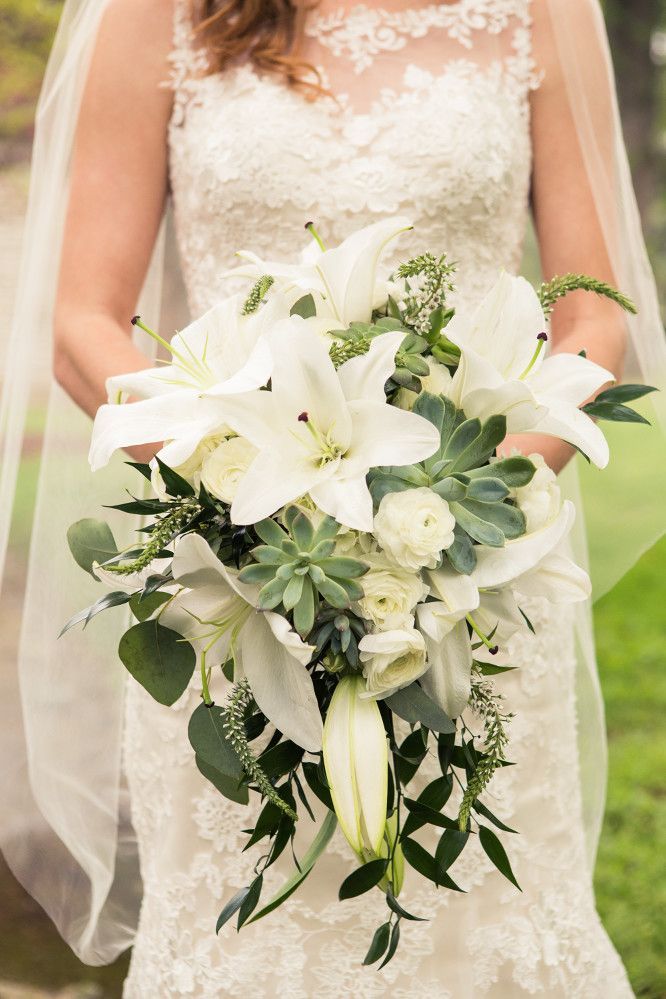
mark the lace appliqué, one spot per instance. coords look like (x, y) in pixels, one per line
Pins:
(188, 63)
(363, 32)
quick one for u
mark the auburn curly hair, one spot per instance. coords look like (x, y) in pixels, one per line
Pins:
(264, 32)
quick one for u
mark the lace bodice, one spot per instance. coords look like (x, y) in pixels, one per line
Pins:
(429, 117)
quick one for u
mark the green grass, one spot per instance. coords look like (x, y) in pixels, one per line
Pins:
(631, 869)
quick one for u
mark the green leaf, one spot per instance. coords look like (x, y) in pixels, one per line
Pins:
(510, 520)
(462, 438)
(434, 796)
(413, 705)
(614, 412)
(363, 879)
(175, 484)
(159, 658)
(477, 451)
(419, 858)
(393, 946)
(304, 611)
(451, 845)
(227, 786)
(343, 567)
(434, 409)
(461, 554)
(514, 472)
(301, 529)
(114, 599)
(271, 533)
(395, 906)
(429, 815)
(496, 854)
(479, 529)
(490, 669)
(249, 903)
(307, 862)
(625, 393)
(316, 785)
(332, 592)
(280, 759)
(232, 906)
(91, 541)
(450, 489)
(304, 307)
(292, 592)
(487, 490)
(379, 944)
(482, 810)
(209, 741)
(257, 574)
(142, 606)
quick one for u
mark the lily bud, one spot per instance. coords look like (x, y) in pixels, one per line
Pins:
(356, 762)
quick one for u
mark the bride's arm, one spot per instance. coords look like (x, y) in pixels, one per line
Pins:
(118, 187)
(568, 230)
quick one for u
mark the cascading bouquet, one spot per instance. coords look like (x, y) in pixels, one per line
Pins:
(332, 538)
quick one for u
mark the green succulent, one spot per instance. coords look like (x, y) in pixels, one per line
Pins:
(338, 634)
(477, 491)
(296, 567)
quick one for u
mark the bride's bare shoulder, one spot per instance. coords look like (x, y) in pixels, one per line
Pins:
(138, 33)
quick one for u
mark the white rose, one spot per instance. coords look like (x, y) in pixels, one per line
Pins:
(393, 659)
(438, 382)
(540, 499)
(390, 593)
(414, 527)
(226, 466)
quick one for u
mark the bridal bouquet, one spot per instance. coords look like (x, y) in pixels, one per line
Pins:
(333, 542)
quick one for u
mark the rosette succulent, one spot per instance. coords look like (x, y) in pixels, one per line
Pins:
(296, 566)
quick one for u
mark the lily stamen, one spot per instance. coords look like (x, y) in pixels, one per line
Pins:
(542, 339)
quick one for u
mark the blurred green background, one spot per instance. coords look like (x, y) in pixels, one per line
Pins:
(630, 622)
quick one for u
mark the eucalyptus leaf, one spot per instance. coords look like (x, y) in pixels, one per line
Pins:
(91, 541)
(321, 790)
(143, 606)
(614, 412)
(280, 759)
(419, 858)
(227, 786)
(209, 741)
(159, 658)
(625, 393)
(483, 810)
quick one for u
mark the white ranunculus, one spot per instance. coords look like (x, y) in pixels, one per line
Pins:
(414, 527)
(390, 593)
(540, 499)
(190, 469)
(392, 659)
(225, 467)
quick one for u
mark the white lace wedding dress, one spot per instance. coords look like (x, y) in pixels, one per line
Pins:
(432, 121)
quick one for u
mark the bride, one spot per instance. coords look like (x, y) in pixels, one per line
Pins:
(248, 118)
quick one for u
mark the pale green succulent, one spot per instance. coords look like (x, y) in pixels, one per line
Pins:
(296, 567)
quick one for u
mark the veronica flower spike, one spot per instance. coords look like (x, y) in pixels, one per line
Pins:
(319, 430)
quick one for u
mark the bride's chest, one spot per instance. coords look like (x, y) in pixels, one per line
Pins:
(457, 141)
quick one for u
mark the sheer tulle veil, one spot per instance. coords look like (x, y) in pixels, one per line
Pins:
(65, 827)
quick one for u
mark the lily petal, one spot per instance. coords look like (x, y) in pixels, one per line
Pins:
(497, 566)
(365, 376)
(448, 681)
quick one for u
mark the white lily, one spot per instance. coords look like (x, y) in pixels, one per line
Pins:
(343, 280)
(319, 430)
(503, 371)
(222, 353)
(219, 615)
(356, 762)
(443, 625)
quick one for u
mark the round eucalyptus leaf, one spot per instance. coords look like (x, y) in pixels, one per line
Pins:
(91, 541)
(159, 658)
